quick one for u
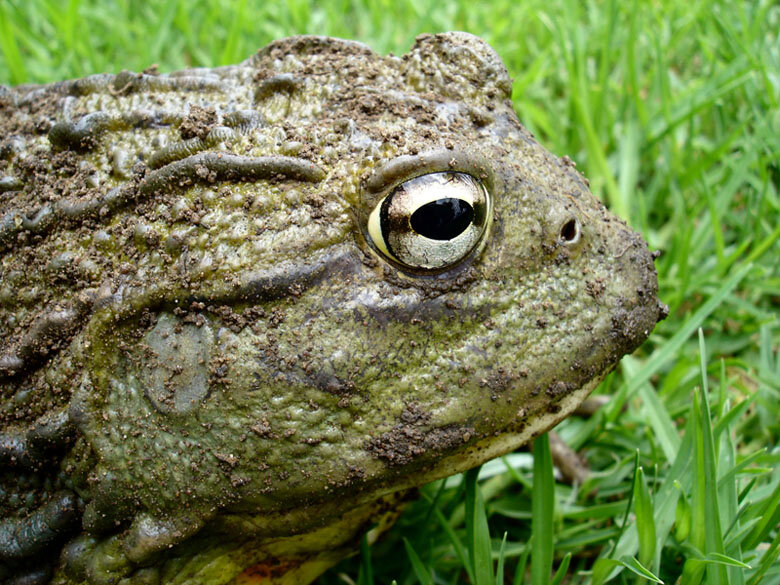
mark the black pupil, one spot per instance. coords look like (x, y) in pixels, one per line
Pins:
(442, 219)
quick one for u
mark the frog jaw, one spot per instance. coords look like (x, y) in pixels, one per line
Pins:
(490, 447)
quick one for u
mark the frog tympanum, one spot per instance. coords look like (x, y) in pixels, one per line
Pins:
(243, 310)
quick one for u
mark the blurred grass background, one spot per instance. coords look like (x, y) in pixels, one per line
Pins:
(672, 111)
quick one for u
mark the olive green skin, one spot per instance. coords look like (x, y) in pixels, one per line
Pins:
(190, 294)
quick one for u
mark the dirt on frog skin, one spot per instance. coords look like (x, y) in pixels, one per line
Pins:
(198, 123)
(411, 438)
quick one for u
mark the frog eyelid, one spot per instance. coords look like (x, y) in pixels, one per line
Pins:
(408, 166)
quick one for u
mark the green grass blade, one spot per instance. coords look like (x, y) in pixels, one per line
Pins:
(460, 550)
(9, 47)
(696, 566)
(628, 169)
(657, 414)
(604, 567)
(764, 245)
(477, 532)
(664, 508)
(706, 533)
(693, 571)
(560, 574)
(716, 558)
(523, 563)
(682, 517)
(500, 566)
(543, 504)
(637, 568)
(732, 415)
(645, 523)
(366, 576)
(730, 78)
(770, 516)
(769, 558)
(417, 565)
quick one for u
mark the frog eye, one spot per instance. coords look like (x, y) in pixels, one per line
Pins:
(432, 221)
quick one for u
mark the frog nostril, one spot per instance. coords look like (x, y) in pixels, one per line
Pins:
(570, 232)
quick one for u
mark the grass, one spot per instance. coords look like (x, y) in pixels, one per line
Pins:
(673, 112)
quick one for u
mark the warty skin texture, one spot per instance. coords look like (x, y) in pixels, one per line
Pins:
(205, 357)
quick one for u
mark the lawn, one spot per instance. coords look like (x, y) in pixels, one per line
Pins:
(672, 110)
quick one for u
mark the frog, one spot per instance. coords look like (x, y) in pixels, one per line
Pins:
(246, 311)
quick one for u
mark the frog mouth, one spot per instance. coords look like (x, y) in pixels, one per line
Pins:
(495, 445)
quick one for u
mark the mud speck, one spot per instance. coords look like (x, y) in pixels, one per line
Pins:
(198, 122)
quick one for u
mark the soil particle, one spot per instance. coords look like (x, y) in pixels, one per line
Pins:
(413, 438)
(198, 123)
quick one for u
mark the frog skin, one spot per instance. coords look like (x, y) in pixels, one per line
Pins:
(245, 310)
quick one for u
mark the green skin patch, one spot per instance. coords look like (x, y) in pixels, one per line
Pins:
(213, 353)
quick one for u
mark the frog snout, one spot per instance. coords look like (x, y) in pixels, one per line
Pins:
(635, 291)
